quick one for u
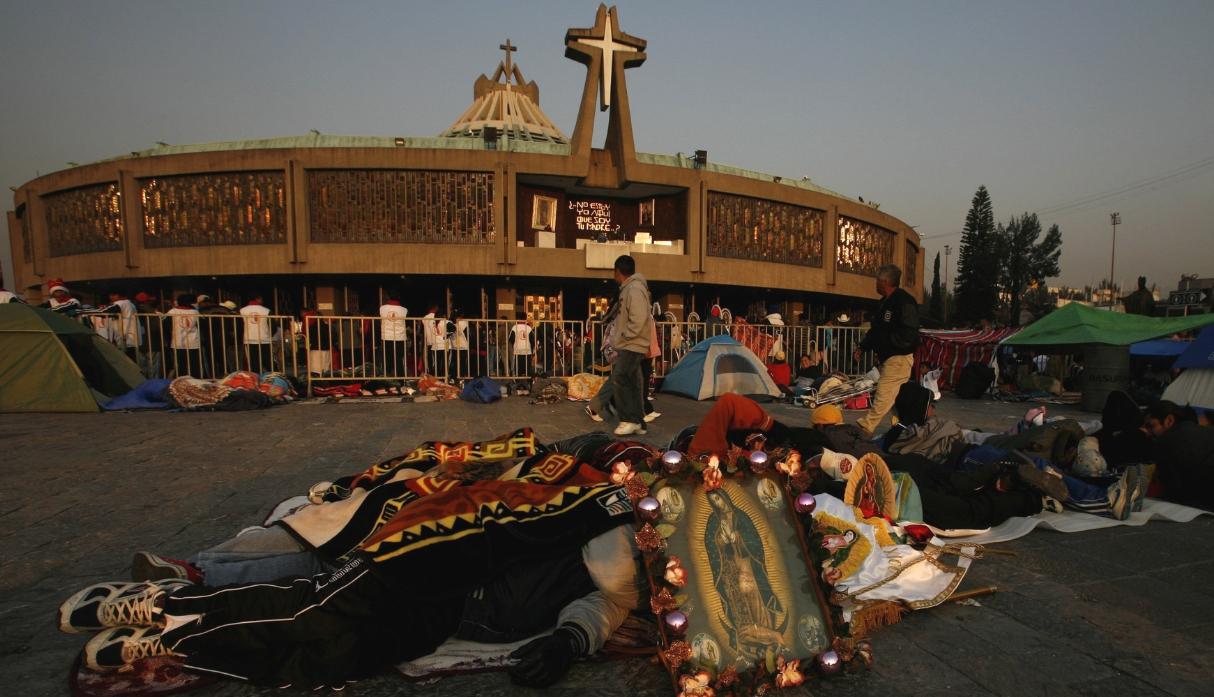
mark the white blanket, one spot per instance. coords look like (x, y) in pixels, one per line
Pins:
(1071, 521)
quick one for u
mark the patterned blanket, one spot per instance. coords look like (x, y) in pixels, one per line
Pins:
(441, 491)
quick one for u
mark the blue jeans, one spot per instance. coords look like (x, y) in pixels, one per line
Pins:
(1081, 495)
(258, 555)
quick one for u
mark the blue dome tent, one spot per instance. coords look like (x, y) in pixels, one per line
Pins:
(719, 365)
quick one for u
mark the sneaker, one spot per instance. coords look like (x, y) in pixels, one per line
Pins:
(628, 428)
(146, 566)
(1145, 472)
(652, 415)
(121, 646)
(1121, 494)
(594, 416)
(114, 605)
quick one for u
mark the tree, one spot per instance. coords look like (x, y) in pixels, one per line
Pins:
(936, 309)
(978, 262)
(1024, 259)
(1038, 301)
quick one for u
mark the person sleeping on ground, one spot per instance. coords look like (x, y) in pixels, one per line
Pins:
(953, 499)
(549, 545)
(337, 590)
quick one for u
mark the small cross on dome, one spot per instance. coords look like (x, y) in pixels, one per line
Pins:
(508, 48)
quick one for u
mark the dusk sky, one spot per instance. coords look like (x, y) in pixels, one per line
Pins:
(1074, 109)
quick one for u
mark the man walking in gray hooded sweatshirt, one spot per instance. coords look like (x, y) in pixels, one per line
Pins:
(630, 336)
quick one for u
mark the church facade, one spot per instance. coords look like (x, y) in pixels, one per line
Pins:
(500, 214)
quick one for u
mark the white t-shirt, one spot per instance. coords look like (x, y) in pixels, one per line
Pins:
(256, 324)
(393, 327)
(185, 328)
(7, 296)
(124, 330)
(436, 332)
(460, 341)
(522, 339)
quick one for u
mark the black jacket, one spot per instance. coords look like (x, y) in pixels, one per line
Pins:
(1185, 461)
(895, 330)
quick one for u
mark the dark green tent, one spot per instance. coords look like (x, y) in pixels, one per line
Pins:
(1079, 324)
(50, 363)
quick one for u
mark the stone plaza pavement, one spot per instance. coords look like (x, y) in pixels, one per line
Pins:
(1122, 611)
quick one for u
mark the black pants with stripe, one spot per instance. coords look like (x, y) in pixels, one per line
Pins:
(308, 632)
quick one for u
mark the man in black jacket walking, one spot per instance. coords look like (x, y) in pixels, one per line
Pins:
(893, 337)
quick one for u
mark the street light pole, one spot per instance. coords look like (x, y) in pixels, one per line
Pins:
(947, 249)
(1115, 219)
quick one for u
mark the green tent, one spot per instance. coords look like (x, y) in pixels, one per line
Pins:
(1080, 324)
(51, 363)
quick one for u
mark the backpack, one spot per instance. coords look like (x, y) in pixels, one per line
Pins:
(608, 350)
(482, 390)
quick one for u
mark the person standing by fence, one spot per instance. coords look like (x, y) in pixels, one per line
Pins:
(522, 347)
(124, 327)
(258, 335)
(893, 337)
(394, 331)
(185, 342)
(459, 344)
(630, 336)
(436, 342)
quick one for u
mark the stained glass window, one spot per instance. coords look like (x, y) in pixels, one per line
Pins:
(863, 247)
(83, 220)
(401, 206)
(197, 210)
(742, 227)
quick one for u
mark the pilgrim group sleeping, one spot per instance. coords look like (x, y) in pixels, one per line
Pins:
(503, 540)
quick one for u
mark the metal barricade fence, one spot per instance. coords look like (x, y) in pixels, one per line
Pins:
(373, 348)
(328, 349)
(677, 338)
(837, 346)
(203, 345)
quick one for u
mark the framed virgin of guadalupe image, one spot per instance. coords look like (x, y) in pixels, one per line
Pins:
(750, 595)
(543, 213)
(646, 208)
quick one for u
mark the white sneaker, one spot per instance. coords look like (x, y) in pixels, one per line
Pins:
(1121, 494)
(115, 605)
(121, 646)
(628, 428)
(652, 415)
(594, 415)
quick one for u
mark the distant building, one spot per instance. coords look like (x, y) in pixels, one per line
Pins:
(1193, 296)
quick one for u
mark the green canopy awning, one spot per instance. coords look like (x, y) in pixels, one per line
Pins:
(1080, 324)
